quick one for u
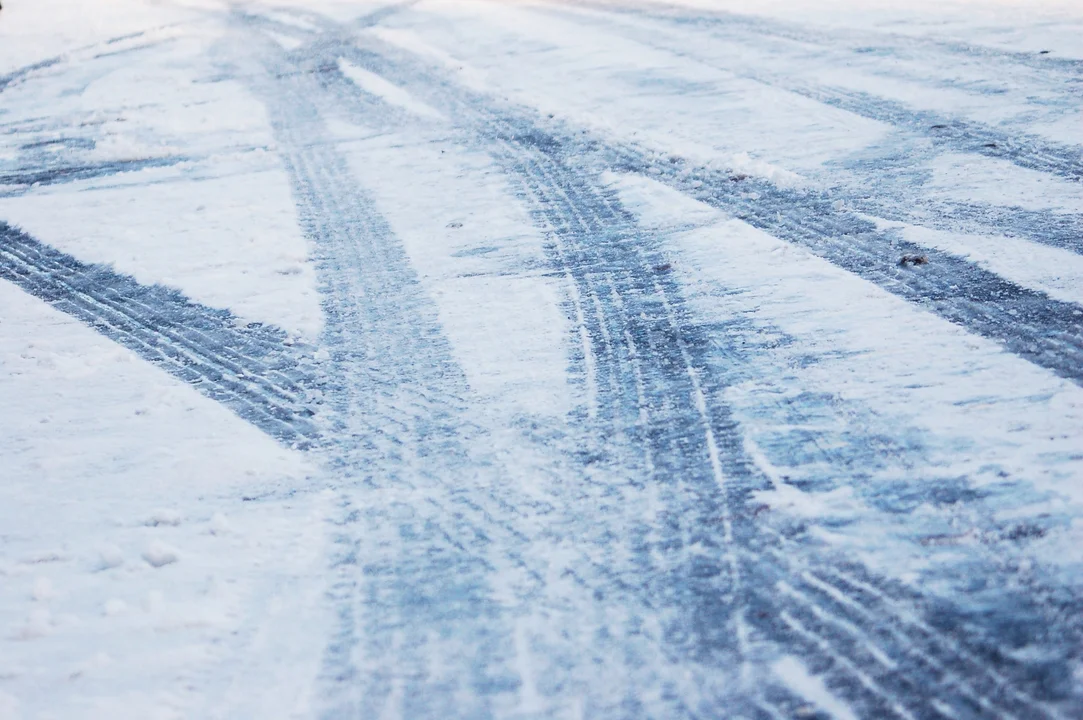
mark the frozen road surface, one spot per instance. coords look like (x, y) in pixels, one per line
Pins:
(461, 359)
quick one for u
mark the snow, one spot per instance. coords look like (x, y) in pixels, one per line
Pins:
(797, 676)
(636, 93)
(160, 556)
(979, 179)
(191, 225)
(935, 377)
(386, 91)
(463, 232)
(139, 451)
(1051, 270)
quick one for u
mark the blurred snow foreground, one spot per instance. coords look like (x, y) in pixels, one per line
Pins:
(541, 360)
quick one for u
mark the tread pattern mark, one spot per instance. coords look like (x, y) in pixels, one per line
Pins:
(593, 245)
(250, 369)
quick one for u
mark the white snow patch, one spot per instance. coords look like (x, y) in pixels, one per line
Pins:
(285, 18)
(477, 255)
(39, 623)
(110, 556)
(796, 676)
(976, 178)
(68, 515)
(114, 606)
(287, 42)
(168, 517)
(388, 92)
(43, 589)
(159, 554)
(1056, 272)
(410, 41)
(229, 243)
(9, 707)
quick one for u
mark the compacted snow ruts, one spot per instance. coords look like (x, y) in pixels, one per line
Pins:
(625, 396)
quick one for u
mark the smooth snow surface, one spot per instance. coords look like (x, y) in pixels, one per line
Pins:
(598, 359)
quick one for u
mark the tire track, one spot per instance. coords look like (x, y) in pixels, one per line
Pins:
(20, 74)
(900, 201)
(661, 407)
(425, 507)
(1044, 331)
(251, 369)
(1027, 323)
(959, 135)
(65, 174)
(860, 43)
(1023, 150)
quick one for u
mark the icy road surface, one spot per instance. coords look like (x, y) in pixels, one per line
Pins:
(455, 359)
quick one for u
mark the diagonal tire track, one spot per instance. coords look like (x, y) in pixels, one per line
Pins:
(250, 369)
(1044, 331)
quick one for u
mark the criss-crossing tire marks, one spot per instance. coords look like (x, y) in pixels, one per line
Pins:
(896, 175)
(250, 369)
(1044, 331)
(946, 132)
(651, 374)
(651, 395)
(959, 135)
(670, 585)
(430, 523)
(857, 42)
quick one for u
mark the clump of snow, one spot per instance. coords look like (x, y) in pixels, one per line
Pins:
(220, 525)
(109, 557)
(158, 554)
(171, 518)
(745, 164)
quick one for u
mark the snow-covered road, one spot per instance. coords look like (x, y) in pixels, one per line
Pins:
(470, 359)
